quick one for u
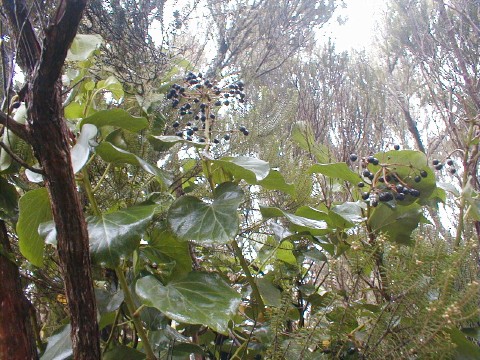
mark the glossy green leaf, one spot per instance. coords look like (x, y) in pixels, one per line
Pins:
(214, 222)
(164, 247)
(250, 169)
(83, 46)
(122, 352)
(315, 255)
(116, 235)
(397, 223)
(81, 149)
(118, 118)
(59, 346)
(276, 181)
(472, 332)
(336, 171)
(348, 214)
(165, 142)
(465, 349)
(271, 294)
(34, 209)
(8, 200)
(199, 298)
(302, 223)
(113, 154)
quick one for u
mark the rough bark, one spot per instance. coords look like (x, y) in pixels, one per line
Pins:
(16, 335)
(49, 138)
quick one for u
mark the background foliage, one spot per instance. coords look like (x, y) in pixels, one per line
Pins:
(260, 196)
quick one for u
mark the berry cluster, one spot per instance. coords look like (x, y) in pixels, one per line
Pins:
(197, 100)
(439, 166)
(385, 183)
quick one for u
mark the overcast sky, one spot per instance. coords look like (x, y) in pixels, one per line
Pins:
(359, 29)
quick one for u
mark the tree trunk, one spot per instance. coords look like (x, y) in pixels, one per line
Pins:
(16, 335)
(43, 63)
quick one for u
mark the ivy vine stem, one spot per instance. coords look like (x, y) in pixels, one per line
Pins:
(250, 279)
(121, 276)
(135, 315)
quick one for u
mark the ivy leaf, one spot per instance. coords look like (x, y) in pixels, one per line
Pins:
(243, 167)
(8, 200)
(34, 209)
(110, 153)
(165, 142)
(208, 223)
(116, 235)
(276, 181)
(300, 223)
(118, 118)
(83, 46)
(122, 352)
(465, 349)
(81, 150)
(164, 247)
(397, 223)
(59, 346)
(337, 171)
(199, 298)
(271, 294)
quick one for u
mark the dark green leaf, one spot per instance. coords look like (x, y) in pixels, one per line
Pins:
(465, 349)
(59, 346)
(301, 223)
(336, 171)
(199, 298)
(118, 118)
(472, 332)
(8, 200)
(121, 352)
(208, 223)
(164, 247)
(242, 167)
(275, 181)
(113, 154)
(116, 235)
(397, 223)
(165, 142)
(34, 209)
(270, 293)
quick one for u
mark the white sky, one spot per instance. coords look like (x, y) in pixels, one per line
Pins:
(358, 32)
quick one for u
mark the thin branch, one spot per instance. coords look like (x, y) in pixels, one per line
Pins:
(18, 129)
(20, 160)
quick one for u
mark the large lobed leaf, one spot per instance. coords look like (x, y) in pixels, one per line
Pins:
(116, 235)
(208, 223)
(34, 209)
(118, 118)
(199, 298)
(112, 154)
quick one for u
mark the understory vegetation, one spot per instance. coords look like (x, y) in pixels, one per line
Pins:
(206, 180)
